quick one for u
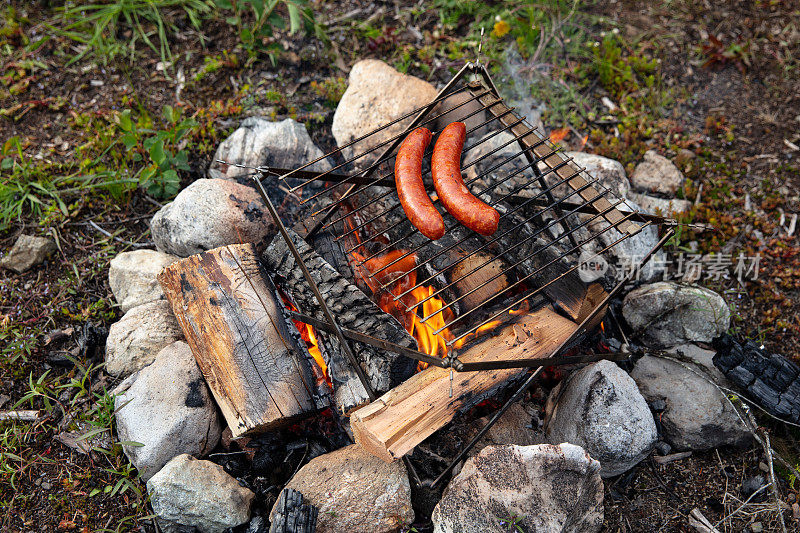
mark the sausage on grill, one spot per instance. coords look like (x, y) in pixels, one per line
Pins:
(456, 198)
(411, 190)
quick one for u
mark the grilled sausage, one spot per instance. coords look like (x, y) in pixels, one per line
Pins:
(410, 188)
(457, 199)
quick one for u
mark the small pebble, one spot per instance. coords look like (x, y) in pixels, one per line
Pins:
(46, 485)
(796, 510)
(763, 467)
(756, 527)
(663, 448)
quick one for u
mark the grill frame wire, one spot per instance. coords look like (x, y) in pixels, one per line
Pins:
(321, 218)
(477, 89)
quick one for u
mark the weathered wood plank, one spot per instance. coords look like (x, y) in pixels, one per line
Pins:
(395, 423)
(254, 361)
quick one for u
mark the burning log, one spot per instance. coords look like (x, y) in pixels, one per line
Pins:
(354, 310)
(253, 359)
(395, 423)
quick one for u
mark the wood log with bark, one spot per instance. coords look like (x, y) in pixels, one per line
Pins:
(353, 310)
(255, 363)
(395, 423)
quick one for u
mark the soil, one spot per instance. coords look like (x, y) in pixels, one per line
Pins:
(738, 114)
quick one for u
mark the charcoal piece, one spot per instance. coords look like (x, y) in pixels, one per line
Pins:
(293, 515)
(769, 379)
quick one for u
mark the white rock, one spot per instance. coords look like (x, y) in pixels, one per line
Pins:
(657, 174)
(27, 252)
(609, 172)
(668, 314)
(132, 277)
(140, 334)
(208, 214)
(169, 410)
(697, 415)
(600, 409)
(376, 95)
(656, 206)
(189, 493)
(355, 492)
(542, 488)
(262, 142)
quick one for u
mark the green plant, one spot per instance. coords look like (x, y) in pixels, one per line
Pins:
(97, 25)
(164, 150)
(257, 36)
(512, 523)
(331, 89)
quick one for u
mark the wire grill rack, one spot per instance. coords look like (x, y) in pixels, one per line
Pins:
(551, 211)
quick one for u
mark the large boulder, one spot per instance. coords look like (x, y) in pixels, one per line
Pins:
(132, 277)
(27, 252)
(538, 489)
(600, 409)
(189, 493)
(657, 174)
(262, 142)
(355, 492)
(376, 94)
(668, 314)
(134, 341)
(208, 214)
(695, 414)
(167, 411)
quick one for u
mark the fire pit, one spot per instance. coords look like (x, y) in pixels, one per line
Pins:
(355, 309)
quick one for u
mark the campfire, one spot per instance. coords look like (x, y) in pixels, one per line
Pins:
(356, 309)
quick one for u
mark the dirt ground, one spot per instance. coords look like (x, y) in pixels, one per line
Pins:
(727, 90)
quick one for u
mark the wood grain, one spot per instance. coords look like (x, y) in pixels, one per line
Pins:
(252, 358)
(395, 423)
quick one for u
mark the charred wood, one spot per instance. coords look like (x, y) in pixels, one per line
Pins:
(353, 310)
(292, 514)
(769, 378)
(252, 357)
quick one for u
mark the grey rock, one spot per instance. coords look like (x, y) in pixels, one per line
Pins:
(355, 492)
(667, 314)
(27, 252)
(262, 142)
(545, 488)
(660, 206)
(691, 353)
(697, 415)
(135, 340)
(657, 174)
(132, 277)
(169, 410)
(190, 493)
(208, 214)
(376, 95)
(609, 172)
(600, 409)
(627, 254)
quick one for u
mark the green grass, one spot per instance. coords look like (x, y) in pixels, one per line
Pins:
(98, 25)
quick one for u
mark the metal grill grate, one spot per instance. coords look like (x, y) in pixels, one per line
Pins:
(546, 198)
(550, 211)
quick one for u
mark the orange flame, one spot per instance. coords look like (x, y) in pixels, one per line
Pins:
(308, 335)
(557, 136)
(395, 269)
